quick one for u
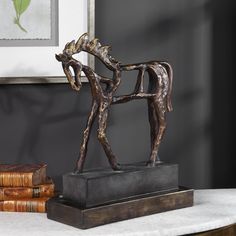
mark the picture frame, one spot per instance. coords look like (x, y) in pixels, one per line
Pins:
(26, 63)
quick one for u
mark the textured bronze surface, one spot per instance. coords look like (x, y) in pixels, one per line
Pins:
(103, 94)
(65, 212)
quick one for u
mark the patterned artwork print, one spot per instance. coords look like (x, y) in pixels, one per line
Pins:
(20, 7)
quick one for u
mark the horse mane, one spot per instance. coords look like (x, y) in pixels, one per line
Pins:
(93, 47)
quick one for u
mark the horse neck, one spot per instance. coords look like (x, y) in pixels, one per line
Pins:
(94, 81)
(114, 66)
(89, 73)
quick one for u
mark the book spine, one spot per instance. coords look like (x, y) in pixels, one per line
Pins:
(26, 192)
(14, 179)
(24, 205)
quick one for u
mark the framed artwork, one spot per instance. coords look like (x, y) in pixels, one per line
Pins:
(33, 31)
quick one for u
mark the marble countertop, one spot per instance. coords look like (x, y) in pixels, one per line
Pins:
(212, 209)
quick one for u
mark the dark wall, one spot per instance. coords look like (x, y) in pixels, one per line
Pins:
(179, 32)
(44, 123)
(223, 94)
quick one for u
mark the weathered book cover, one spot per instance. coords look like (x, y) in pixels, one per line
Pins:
(22, 175)
(24, 205)
(10, 193)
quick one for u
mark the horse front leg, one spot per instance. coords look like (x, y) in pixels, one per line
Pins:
(102, 125)
(83, 147)
(140, 81)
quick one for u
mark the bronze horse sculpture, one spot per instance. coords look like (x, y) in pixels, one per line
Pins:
(103, 94)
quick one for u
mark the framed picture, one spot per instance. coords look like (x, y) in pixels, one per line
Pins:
(33, 31)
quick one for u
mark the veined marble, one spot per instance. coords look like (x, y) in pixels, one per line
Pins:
(212, 209)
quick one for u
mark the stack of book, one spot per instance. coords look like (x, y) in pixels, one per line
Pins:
(24, 188)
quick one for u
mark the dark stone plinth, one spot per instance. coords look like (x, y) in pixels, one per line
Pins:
(64, 211)
(105, 186)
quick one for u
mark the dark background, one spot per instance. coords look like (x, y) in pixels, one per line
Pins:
(44, 123)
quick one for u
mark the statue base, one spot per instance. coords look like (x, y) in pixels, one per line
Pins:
(102, 196)
(103, 186)
(66, 212)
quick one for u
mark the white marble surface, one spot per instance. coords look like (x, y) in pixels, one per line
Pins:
(212, 209)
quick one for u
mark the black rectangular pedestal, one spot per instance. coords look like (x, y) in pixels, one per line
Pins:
(107, 186)
(63, 211)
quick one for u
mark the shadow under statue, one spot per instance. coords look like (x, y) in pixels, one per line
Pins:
(96, 197)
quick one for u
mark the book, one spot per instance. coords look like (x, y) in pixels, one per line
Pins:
(24, 205)
(10, 193)
(22, 175)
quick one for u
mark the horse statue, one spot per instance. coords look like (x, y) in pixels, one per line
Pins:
(103, 94)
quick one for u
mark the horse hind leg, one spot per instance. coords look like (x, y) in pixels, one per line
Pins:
(152, 121)
(158, 125)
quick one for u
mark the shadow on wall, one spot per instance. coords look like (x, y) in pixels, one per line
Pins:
(179, 32)
(43, 123)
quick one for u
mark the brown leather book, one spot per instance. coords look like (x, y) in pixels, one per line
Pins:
(24, 205)
(22, 175)
(10, 193)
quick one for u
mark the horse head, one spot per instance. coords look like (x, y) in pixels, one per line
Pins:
(92, 47)
(68, 63)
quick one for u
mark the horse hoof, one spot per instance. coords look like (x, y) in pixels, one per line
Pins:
(116, 167)
(150, 164)
(153, 163)
(77, 171)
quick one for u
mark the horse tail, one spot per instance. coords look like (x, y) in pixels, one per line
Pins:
(170, 77)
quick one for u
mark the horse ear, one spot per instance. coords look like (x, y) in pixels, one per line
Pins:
(82, 41)
(58, 57)
(70, 46)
